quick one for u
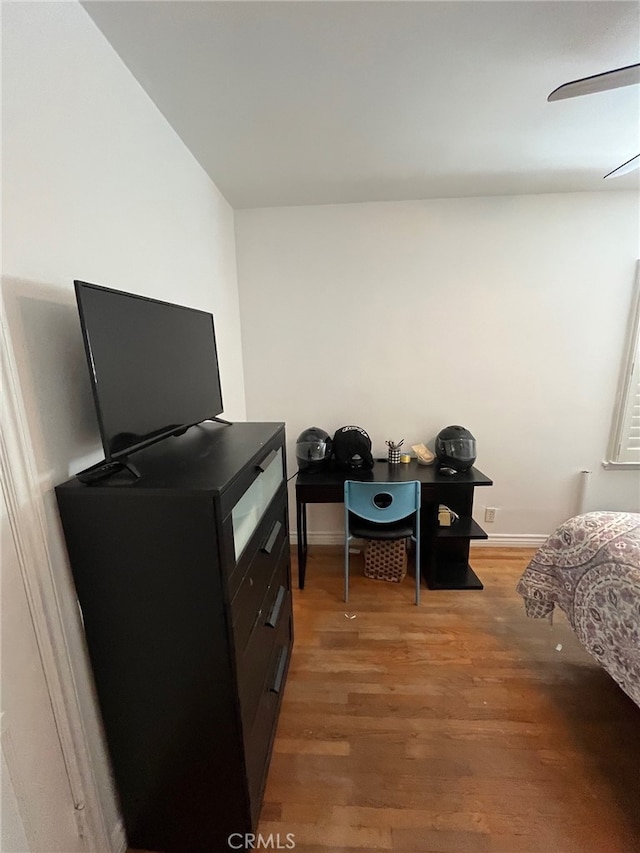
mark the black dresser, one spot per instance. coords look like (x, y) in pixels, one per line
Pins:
(184, 582)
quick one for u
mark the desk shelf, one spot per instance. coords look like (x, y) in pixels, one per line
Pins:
(455, 576)
(463, 528)
(448, 564)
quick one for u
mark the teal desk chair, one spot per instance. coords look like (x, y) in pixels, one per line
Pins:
(384, 511)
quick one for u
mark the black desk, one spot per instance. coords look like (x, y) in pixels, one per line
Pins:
(444, 550)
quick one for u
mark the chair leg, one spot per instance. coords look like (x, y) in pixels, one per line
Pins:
(346, 569)
(417, 569)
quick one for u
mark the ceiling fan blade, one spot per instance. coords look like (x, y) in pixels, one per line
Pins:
(629, 166)
(626, 76)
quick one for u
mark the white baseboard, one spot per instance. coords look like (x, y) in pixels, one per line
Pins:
(495, 540)
(512, 540)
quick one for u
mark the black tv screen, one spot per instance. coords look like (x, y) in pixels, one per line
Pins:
(153, 366)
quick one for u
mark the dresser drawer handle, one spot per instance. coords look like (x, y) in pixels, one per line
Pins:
(268, 459)
(271, 538)
(282, 663)
(272, 619)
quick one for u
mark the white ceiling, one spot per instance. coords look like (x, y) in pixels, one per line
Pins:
(288, 103)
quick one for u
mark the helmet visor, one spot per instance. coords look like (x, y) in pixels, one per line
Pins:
(311, 450)
(459, 448)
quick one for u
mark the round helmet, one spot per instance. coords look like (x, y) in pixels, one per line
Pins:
(352, 448)
(313, 449)
(455, 448)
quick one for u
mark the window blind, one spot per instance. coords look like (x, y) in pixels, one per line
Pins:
(625, 437)
(629, 441)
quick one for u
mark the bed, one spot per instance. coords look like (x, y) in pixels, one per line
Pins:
(590, 568)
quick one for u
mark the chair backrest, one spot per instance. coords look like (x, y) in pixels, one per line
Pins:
(382, 502)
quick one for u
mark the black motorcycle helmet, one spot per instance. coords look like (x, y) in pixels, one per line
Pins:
(313, 449)
(455, 448)
(352, 448)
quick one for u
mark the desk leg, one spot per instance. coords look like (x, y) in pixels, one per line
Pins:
(301, 521)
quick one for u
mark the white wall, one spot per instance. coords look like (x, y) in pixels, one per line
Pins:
(96, 186)
(506, 315)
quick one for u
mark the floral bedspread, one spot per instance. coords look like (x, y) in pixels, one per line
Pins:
(590, 567)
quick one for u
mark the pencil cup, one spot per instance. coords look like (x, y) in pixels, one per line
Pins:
(394, 456)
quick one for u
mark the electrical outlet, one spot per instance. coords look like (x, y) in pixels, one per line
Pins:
(490, 513)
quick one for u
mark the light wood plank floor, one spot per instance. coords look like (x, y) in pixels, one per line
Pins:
(455, 727)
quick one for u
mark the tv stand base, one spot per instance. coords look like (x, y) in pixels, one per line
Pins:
(107, 469)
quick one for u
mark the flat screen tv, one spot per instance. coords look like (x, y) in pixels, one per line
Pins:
(153, 367)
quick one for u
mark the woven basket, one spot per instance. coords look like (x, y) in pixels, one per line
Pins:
(386, 560)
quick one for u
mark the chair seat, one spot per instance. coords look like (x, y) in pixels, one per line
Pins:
(362, 529)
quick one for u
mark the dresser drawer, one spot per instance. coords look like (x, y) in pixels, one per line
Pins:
(263, 547)
(259, 741)
(247, 513)
(253, 664)
(254, 597)
(248, 602)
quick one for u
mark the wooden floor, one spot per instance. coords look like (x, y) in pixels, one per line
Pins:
(453, 727)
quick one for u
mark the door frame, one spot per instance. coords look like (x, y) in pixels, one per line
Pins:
(27, 523)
